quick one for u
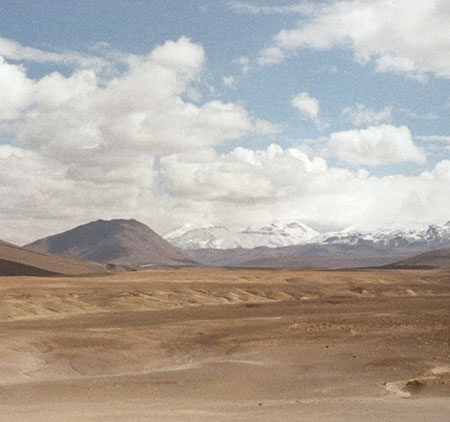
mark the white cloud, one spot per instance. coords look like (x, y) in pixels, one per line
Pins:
(13, 50)
(228, 81)
(240, 175)
(246, 186)
(86, 147)
(136, 145)
(434, 138)
(409, 37)
(307, 105)
(375, 145)
(243, 63)
(398, 64)
(45, 196)
(15, 90)
(271, 55)
(360, 115)
(140, 113)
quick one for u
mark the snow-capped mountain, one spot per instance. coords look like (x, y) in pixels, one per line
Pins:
(431, 234)
(274, 235)
(212, 237)
(277, 234)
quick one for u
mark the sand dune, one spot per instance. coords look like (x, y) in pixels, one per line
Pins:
(226, 345)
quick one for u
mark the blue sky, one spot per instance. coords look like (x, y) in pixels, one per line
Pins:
(353, 94)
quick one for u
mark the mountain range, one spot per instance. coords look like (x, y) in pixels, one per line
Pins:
(274, 235)
(295, 245)
(126, 244)
(277, 234)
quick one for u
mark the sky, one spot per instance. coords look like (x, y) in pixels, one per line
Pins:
(225, 112)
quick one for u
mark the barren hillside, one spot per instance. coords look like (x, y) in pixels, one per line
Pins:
(15, 260)
(127, 242)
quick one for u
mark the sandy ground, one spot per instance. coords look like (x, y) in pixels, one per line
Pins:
(226, 345)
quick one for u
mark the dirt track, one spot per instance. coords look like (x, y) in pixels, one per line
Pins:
(208, 344)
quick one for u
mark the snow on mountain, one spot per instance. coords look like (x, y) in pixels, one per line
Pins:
(179, 231)
(214, 237)
(277, 234)
(274, 235)
(392, 237)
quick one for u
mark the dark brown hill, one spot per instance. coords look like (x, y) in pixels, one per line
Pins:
(11, 268)
(435, 259)
(15, 260)
(127, 242)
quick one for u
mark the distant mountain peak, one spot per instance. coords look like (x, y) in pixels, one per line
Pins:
(118, 241)
(277, 234)
(273, 235)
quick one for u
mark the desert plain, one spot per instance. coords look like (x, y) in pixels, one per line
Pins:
(203, 344)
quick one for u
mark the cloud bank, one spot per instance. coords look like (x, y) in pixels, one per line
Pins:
(405, 37)
(141, 144)
(288, 183)
(376, 145)
(82, 146)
